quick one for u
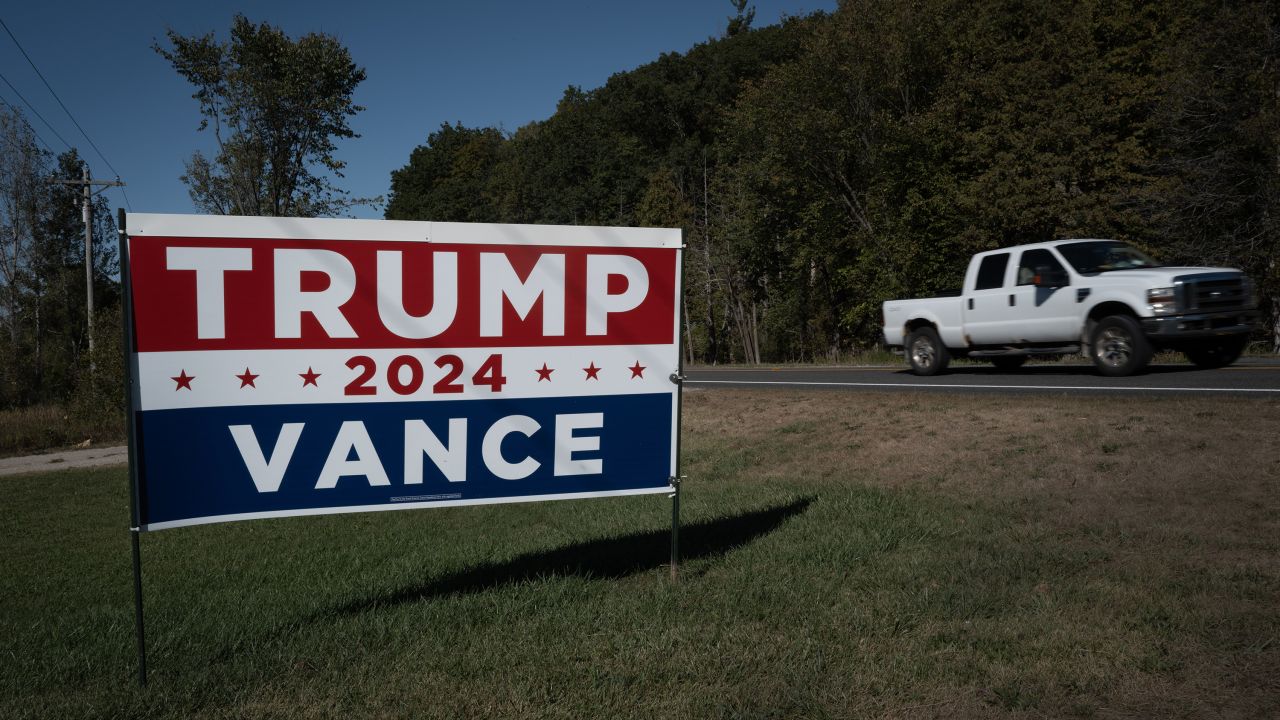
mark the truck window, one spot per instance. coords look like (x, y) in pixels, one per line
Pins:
(1033, 261)
(1099, 256)
(991, 271)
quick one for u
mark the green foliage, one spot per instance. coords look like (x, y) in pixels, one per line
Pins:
(827, 164)
(1217, 197)
(639, 150)
(448, 178)
(98, 402)
(576, 168)
(275, 105)
(43, 326)
(740, 22)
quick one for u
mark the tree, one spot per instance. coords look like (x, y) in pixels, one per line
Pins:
(54, 302)
(448, 178)
(42, 280)
(22, 167)
(826, 154)
(740, 22)
(276, 106)
(1217, 200)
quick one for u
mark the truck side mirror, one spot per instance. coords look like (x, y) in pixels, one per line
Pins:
(1047, 277)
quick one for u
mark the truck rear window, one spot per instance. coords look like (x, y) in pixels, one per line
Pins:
(991, 271)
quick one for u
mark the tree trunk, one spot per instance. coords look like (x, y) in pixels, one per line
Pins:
(713, 344)
(748, 329)
(688, 333)
(1275, 324)
(39, 349)
(755, 332)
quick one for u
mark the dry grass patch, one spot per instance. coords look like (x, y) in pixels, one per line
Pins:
(45, 427)
(1179, 467)
(41, 428)
(1170, 509)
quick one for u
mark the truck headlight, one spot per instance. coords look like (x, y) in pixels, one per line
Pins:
(1163, 301)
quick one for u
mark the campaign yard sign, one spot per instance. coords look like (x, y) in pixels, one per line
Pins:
(294, 367)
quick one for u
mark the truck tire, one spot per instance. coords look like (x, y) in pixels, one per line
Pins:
(925, 352)
(1009, 363)
(1217, 353)
(1118, 347)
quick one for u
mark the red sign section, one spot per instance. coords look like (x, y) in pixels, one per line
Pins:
(293, 294)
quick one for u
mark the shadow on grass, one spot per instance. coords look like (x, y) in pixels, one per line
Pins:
(605, 558)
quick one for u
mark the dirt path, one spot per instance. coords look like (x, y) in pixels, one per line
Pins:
(67, 459)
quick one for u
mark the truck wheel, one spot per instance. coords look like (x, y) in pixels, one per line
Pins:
(1008, 363)
(1118, 346)
(926, 353)
(1217, 353)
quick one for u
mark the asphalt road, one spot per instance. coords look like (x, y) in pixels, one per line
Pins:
(1246, 378)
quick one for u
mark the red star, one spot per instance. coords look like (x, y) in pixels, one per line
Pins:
(309, 377)
(591, 371)
(247, 379)
(637, 370)
(183, 380)
(544, 373)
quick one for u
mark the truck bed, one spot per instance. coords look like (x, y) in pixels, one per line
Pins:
(944, 311)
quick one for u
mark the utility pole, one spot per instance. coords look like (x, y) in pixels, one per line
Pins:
(86, 183)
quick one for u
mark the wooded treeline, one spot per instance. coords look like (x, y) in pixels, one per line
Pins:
(44, 353)
(817, 167)
(821, 166)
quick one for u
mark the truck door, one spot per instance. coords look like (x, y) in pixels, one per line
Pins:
(1042, 314)
(986, 304)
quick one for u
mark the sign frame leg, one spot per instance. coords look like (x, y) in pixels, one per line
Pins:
(135, 529)
(678, 378)
(675, 530)
(138, 619)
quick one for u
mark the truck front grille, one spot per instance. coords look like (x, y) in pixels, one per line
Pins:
(1217, 294)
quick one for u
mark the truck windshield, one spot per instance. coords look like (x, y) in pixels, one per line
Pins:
(1090, 258)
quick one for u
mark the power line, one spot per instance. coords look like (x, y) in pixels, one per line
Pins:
(19, 114)
(55, 97)
(33, 110)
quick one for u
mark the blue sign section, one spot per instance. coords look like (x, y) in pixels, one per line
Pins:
(225, 463)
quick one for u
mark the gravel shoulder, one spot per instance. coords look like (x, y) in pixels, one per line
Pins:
(65, 460)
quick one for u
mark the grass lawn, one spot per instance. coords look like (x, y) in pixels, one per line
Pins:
(846, 555)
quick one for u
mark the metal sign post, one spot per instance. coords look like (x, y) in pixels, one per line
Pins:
(675, 529)
(678, 379)
(130, 422)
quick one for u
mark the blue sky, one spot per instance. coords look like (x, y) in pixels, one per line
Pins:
(483, 62)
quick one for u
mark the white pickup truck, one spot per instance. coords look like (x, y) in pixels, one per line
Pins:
(1100, 297)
